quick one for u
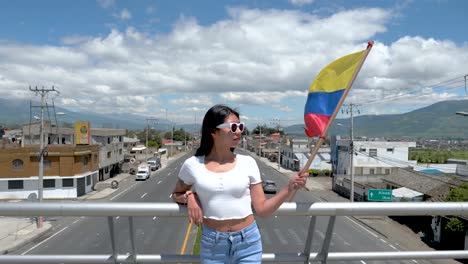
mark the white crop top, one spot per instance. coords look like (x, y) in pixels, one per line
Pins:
(223, 195)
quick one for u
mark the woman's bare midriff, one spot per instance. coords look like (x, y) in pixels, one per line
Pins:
(230, 225)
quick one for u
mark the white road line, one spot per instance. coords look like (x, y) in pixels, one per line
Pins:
(356, 223)
(383, 240)
(168, 174)
(414, 261)
(117, 217)
(74, 222)
(154, 218)
(159, 182)
(122, 192)
(143, 195)
(61, 230)
(362, 261)
(280, 236)
(393, 247)
(170, 196)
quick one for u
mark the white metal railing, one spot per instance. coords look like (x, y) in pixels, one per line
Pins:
(333, 210)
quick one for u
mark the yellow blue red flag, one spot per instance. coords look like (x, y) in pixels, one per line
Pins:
(327, 90)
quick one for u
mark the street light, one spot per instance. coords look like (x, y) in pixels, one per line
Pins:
(351, 152)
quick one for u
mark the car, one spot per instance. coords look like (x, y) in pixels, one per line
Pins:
(269, 186)
(154, 164)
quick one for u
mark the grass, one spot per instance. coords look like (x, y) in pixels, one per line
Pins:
(196, 245)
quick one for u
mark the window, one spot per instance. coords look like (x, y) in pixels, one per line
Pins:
(108, 140)
(372, 152)
(67, 183)
(15, 185)
(106, 170)
(120, 151)
(63, 140)
(17, 164)
(109, 155)
(362, 149)
(85, 160)
(120, 138)
(88, 180)
(390, 150)
(372, 171)
(387, 171)
(47, 163)
(50, 183)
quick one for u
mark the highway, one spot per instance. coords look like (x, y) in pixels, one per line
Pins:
(156, 235)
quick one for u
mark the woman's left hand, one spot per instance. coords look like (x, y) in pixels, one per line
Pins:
(298, 181)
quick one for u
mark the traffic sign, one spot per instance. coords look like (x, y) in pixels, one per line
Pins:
(379, 195)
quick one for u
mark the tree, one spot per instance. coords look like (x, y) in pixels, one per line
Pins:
(459, 194)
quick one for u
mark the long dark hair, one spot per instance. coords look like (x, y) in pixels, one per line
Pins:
(215, 116)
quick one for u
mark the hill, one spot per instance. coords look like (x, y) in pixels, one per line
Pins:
(435, 121)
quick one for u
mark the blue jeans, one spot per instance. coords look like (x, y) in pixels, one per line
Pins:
(243, 246)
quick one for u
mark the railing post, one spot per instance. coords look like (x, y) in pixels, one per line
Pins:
(309, 239)
(323, 255)
(132, 239)
(110, 221)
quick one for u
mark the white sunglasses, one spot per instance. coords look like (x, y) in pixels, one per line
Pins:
(233, 126)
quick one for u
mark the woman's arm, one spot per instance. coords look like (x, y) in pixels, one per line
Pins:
(178, 195)
(265, 207)
(183, 195)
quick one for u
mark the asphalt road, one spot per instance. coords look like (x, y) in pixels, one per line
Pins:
(155, 235)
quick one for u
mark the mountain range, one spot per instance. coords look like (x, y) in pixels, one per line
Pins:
(435, 121)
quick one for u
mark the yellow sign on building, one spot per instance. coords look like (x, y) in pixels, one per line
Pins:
(82, 133)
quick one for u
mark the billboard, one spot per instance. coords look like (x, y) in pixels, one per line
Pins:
(82, 133)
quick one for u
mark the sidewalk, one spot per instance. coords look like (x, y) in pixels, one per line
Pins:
(15, 232)
(394, 233)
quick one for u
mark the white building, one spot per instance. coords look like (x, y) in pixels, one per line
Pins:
(296, 152)
(372, 162)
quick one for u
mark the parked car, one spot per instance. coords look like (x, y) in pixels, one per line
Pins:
(269, 186)
(154, 164)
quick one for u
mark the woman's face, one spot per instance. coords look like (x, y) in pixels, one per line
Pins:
(224, 136)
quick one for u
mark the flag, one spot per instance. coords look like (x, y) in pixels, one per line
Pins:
(329, 87)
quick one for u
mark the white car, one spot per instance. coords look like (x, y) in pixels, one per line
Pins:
(143, 172)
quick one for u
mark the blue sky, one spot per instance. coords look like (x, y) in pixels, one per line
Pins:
(146, 57)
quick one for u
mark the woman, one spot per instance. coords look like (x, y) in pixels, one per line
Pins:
(220, 188)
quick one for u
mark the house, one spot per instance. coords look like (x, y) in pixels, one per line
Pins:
(68, 171)
(110, 142)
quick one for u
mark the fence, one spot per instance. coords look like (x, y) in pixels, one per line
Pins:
(130, 210)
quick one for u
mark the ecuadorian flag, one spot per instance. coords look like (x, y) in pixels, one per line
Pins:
(326, 91)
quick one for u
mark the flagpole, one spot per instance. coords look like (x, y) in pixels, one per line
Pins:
(335, 113)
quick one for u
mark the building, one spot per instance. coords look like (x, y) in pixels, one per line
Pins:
(110, 142)
(296, 152)
(373, 161)
(69, 171)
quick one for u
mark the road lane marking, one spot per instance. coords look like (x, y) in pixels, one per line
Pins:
(362, 261)
(60, 231)
(117, 217)
(356, 223)
(159, 182)
(120, 193)
(414, 261)
(393, 247)
(154, 218)
(74, 222)
(143, 195)
(187, 233)
(383, 240)
(280, 236)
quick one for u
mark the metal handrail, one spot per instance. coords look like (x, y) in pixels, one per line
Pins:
(297, 209)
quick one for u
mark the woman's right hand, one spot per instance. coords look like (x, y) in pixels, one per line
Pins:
(195, 213)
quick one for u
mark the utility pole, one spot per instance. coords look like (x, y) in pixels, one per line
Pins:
(154, 120)
(351, 108)
(43, 93)
(277, 121)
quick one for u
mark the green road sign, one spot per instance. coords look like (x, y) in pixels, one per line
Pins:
(380, 195)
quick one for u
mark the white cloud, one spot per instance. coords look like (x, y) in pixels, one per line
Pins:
(106, 3)
(301, 2)
(254, 57)
(125, 14)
